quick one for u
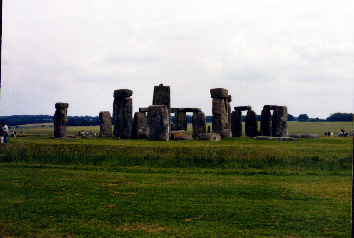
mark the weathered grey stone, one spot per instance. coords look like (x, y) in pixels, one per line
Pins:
(106, 124)
(199, 124)
(251, 124)
(180, 121)
(243, 108)
(236, 123)
(158, 123)
(209, 136)
(266, 122)
(229, 98)
(305, 136)
(123, 114)
(181, 135)
(220, 121)
(269, 107)
(280, 122)
(60, 119)
(229, 114)
(122, 93)
(140, 128)
(186, 109)
(219, 93)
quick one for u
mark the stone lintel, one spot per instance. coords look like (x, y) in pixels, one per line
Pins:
(122, 93)
(189, 109)
(270, 107)
(219, 93)
(61, 105)
(242, 108)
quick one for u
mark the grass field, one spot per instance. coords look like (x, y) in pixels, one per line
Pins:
(294, 128)
(238, 187)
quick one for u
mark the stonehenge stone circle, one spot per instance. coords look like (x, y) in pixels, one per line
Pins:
(158, 121)
(106, 124)
(280, 122)
(162, 97)
(236, 123)
(60, 119)
(220, 121)
(180, 121)
(209, 136)
(266, 122)
(181, 135)
(140, 127)
(199, 124)
(122, 113)
(251, 124)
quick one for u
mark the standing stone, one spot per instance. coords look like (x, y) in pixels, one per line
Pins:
(158, 123)
(229, 113)
(162, 97)
(123, 113)
(106, 124)
(181, 121)
(220, 121)
(236, 123)
(280, 122)
(266, 122)
(251, 124)
(140, 128)
(60, 119)
(199, 124)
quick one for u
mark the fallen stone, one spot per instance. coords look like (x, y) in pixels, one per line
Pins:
(209, 136)
(181, 135)
(305, 136)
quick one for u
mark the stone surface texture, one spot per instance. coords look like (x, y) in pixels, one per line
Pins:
(251, 124)
(158, 121)
(180, 121)
(236, 123)
(181, 135)
(199, 124)
(280, 122)
(220, 110)
(106, 124)
(60, 119)
(140, 128)
(209, 136)
(123, 113)
(266, 122)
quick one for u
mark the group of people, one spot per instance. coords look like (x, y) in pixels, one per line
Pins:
(4, 132)
(344, 134)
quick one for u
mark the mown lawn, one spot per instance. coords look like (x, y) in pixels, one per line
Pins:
(237, 187)
(61, 201)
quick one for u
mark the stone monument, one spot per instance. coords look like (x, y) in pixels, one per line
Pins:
(122, 113)
(220, 121)
(60, 119)
(106, 124)
(158, 121)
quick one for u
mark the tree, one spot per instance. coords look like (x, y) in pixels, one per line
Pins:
(303, 117)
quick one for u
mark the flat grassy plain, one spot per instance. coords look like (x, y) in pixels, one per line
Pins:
(238, 187)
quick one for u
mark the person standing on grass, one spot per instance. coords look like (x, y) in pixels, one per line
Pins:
(5, 128)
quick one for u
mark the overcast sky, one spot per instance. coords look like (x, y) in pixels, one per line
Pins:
(299, 54)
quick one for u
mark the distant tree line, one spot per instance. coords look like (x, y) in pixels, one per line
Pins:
(340, 117)
(16, 120)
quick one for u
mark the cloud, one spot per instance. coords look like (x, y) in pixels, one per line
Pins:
(298, 54)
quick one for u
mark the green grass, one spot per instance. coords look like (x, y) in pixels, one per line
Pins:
(58, 201)
(238, 187)
(294, 128)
